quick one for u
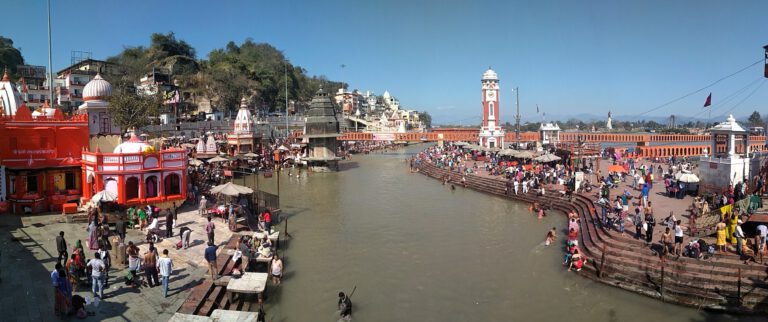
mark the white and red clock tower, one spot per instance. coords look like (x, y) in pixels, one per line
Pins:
(491, 134)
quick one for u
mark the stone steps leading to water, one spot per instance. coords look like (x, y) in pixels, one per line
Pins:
(628, 263)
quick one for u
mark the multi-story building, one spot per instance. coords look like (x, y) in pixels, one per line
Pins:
(70, 81)
(32, 85)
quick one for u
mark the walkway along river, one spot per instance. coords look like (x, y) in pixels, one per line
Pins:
(419, 251)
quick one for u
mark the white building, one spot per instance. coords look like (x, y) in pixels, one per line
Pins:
(549, 133)
(724, 164)
(104, 135)
(491, 134)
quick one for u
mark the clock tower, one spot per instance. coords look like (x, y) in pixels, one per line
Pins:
(491, 134)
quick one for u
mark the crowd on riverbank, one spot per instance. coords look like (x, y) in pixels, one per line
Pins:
(636, 178)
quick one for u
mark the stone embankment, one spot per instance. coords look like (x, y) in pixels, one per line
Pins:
(722, 282)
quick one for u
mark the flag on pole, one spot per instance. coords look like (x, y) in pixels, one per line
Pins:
(708, 102)
(537, 108)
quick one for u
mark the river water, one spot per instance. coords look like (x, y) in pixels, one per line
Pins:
(418, 251)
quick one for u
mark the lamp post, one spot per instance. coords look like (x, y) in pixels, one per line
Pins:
(765, 72)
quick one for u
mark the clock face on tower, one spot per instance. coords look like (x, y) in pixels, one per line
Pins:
(490, 95)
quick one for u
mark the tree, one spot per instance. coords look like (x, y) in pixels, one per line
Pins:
(426, 119)
(129, 110)
(755, 119)
(10, 57)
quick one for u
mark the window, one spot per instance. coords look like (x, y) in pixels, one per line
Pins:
(105, 125)
(132, 188)
(490, 109)
(69, 181)
(31, 183)
(172, 184)
(150, 186)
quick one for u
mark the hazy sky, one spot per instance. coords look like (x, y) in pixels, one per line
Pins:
(569, 57)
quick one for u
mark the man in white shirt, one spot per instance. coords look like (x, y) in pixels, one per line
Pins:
(165, 267)
(762, 232)
(739, 233)
(97, 274)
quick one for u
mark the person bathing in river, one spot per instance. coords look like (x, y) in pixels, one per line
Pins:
(577, 260)
(541, 213)
(551, 236)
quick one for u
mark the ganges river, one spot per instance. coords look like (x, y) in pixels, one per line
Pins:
(418, 251)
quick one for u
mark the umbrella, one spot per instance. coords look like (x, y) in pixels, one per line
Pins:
(195, 162)
(460, 143)
(231, 189)
(688, 178)
(681, 173)
(547, 158)
(525, 154)
(616, 168)
(188, 145)
(282, 148)
(104, 195)
(251, 155)
(218, 159)
(508, 152)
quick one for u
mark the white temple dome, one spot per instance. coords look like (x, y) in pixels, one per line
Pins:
(133, 145)
(490, 75)
(97, 89)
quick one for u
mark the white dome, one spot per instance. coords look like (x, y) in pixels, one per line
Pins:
(133, 145)
(490, 75)
(97, 89)
(386, 95)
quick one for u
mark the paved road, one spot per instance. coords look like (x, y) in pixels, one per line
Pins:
(29, 254)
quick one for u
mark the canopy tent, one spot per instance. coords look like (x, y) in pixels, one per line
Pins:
(251, 155)
(525, 154)
(104, 195)
(688, 178)
(217, 159)
(616, 168)
(231, 189)
(460, 143)
(547, 158)
(508, 152)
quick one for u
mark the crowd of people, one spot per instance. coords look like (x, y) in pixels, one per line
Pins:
(77, 270)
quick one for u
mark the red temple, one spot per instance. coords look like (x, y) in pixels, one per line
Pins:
(41, 157)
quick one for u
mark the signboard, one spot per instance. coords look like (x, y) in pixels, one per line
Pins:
(579, 179)
(383, 136)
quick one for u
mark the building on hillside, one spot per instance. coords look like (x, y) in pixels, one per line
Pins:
(389, 101)
(10, 98)
(727, 161)
(244, 138)
(491, 134)
(549, 133)
(320, 132)
(137, 174)
(32, 85)
(40, 158)
(103, 133)
(350, 102)
(70, 82)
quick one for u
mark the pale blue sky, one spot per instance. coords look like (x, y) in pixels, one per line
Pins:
(569, 57)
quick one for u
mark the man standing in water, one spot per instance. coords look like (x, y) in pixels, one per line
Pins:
(345, 307)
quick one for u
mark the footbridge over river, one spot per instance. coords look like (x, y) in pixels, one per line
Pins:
(643, 144)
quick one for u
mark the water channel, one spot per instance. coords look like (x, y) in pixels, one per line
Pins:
(419, 251)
